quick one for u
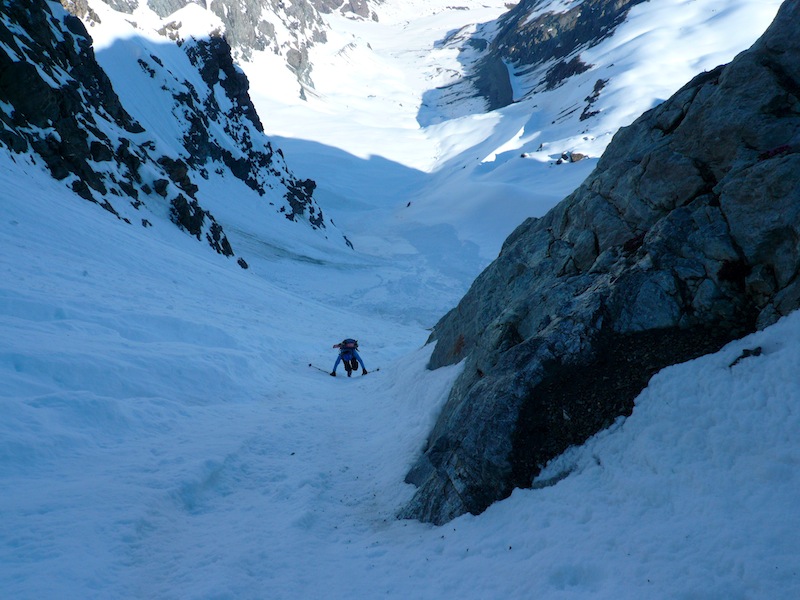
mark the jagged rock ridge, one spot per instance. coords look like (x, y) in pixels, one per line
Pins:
(286, 28)
(361, 8)
(686, 236)
(59, 105)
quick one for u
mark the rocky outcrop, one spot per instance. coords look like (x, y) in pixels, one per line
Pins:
(530, 36)
(62, 124)
(252, 159)
(686, 236)
(286, 28)
(59, 106)
(63, 109)
(361, 8)
(541, 41)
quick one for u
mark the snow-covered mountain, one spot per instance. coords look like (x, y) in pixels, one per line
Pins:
(285, 30)
(169, 426)
(153, 133)
(430, 116)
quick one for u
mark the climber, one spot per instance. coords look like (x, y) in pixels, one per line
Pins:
(348, 352)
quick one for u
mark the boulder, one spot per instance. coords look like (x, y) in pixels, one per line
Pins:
(686, 236)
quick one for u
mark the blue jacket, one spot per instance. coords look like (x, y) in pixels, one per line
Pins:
(348, 355)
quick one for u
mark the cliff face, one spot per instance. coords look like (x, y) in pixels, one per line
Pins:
(286, 28)
(686, 236)
(535, 34)
(58, 107)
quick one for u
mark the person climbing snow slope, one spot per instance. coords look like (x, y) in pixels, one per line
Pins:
(348, 353)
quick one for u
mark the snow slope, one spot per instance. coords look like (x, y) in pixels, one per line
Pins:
(163, 435)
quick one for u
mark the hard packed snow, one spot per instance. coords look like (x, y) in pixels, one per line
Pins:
(170, 429)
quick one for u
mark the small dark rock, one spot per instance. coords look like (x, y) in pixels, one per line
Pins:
(746, 353)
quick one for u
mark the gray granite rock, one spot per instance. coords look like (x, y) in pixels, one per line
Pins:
(686, 236)
(250, 25)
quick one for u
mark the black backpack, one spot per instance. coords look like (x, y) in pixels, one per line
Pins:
(348, 345)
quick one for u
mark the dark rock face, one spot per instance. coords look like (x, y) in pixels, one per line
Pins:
(543, 46)
(492, 82)
(686, 236)
(528, 39)
(57, 122)
(213, 59)
(261, 163)
(64, 111)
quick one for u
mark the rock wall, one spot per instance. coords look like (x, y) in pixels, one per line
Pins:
(59, 106)
(686, 236)
(530, 36)
(361, 8)
(286, 27)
